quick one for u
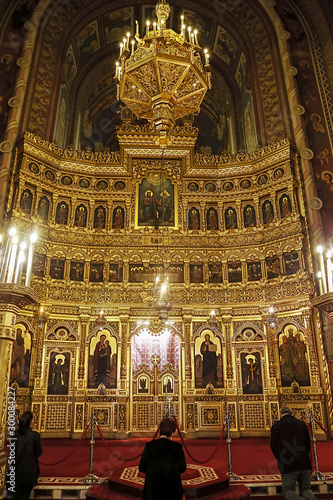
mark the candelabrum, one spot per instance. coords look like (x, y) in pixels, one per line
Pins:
(325, 275)
(162, 76)
(14, 255)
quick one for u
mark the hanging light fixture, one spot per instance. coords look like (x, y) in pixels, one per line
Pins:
(101, 320)
(161, 77)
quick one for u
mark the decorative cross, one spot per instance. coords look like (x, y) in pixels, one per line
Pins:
(155, 359)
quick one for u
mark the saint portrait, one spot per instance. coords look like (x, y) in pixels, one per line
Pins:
(208, 360)
(43, 208)
(26, 201)
(267, 212)
(118, 218)
(80, 216)
(249, 216)
(228, 186)
(167, 385)
(21, 356)
(156, 198)
(96, 272)
(76, 271)
(273, 267)
(285, 206)
(58, 373)
(66, 180)
(84, 183)
(234, 272)
(57, 268)
(194, 219)
(230, 218)
(245, 184)
(49, 175)
(196, 273)
(251, 373)
(102, 185)
(33, 167)
(143, 385)
(119, 185)
(293, 353)
(102, 360)
(99, 217)
(210, 187)
(291, 261)
(262, 179)
(38, 265)
(254, 271)
(215, 272)
(62, 213)
(115, 272)
(193, 187)
(278, 173)
(212, 220)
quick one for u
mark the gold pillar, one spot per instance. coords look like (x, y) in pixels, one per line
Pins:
(12, 299)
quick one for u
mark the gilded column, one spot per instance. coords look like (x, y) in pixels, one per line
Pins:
(187, 336)
(84, 322)
(230, 372)
(124, 321)
(12, 299)
(307, 315)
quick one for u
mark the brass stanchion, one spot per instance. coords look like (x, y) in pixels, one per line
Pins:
(232, 476)
(91, 478)
(317, 475)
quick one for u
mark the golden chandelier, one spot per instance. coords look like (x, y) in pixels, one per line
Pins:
(161, 76)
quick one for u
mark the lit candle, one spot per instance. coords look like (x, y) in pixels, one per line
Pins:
(137, 29)
(320, 251)
(12, 260)
(6, 255)
(329, 272)
(189, 33)
(320, 282)
(183, 31)
(196, 37)
(128, 34)
(20, 260)
(121, 49)
(192, 38)
(132, 42)
(33, 239)
(117, 67)
(154, 27)
(124, 44)
(147, 28)
(206, 56)
(181, 23)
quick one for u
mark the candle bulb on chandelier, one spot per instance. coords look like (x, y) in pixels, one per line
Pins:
(189, 33)
(124, 44)
(320, 251)
(12, 260)
(19, 265)
(329, 272)
(137, 29)
(6, 255)
(121, 49)
(132, 42)
(181, 23)
(183, 31)
(147, 28)
(206, 56)
(33, 239)
(128, 34)
(196, 37)
(319, 276)
(154, 27)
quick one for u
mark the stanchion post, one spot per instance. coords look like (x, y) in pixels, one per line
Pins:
(232, 476)
(317, 475)
(91, 478)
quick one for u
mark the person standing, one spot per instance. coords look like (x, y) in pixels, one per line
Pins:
(290, 443)
(163, 461)
(28, 449)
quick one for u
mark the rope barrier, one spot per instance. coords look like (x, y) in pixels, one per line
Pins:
(191, 456)
(323, 429)
(71, 453)
(110, 451)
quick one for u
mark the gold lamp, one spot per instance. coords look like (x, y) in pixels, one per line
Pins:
(161, 77)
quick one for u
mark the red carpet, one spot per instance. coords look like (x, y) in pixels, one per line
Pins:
(250, 456)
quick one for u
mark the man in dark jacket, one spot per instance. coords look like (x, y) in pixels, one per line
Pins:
(163, 461)
(290, 443)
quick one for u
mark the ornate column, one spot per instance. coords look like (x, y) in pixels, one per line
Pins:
(13, 298)
(226, 319)
(84, 322)
(187, 320)
(307, 315)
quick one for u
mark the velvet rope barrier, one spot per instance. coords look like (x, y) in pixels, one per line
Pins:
(110, 451)
(71, 453)
(323, 429)
(190, 455)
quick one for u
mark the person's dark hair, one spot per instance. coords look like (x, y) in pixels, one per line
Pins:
(167, 427)
(285, 411)
(24, 422)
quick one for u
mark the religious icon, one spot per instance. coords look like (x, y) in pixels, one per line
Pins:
(234, 272)
(251, 373)
(99, 217)
(58, 373)
(267, 212)
(49, 175)
(167, 385)
(143, 385)
(155, 201)
(102, 185)
(249, 216)
(76, 271)
(196, 273)
(20, 362)
(194, 219)
(245, 184)
(254, 271)
(84, 183)
(193, 186)
(115, 273)
(43, 208)
(215, 272)
(118, 218)
(119, 185)
(291, 261)
(26, 201)
(210, 187)
(293, 357)
(230, 218)
(208, 360)
(66, 180)
(80, 216)
(96, 272)
(262, 179)
(33, 167)
(62, 213)
(102, 361)
(57, 268)
(285, 206)
(38, 265)
(228, 186)
(212, 220)
(101, 389)
(273, 267)
(278, 173)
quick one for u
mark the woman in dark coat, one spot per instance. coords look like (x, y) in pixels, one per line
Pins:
(163, 461)
(28, 449)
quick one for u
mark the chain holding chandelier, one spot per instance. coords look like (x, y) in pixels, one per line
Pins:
(161, 77)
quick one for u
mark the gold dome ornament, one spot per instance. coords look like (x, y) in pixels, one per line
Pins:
(161, 77)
